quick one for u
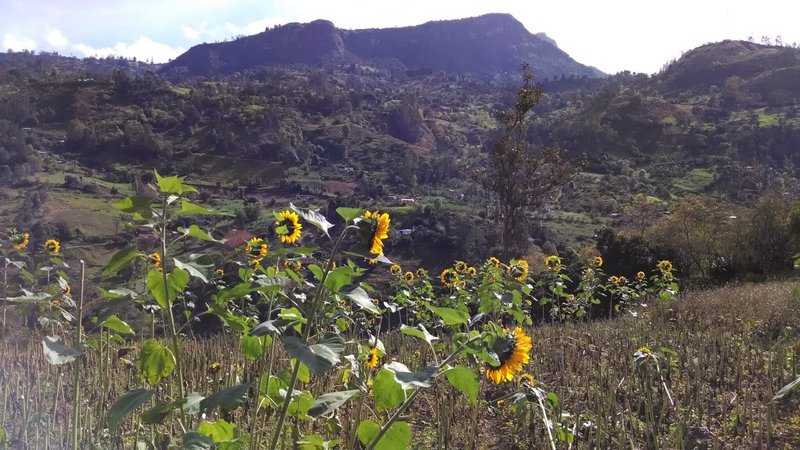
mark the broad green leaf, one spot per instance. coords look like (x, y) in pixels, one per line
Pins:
(397, 437)
(120, 326)
(388, 392)
(270, 327)
(56, 353)
(219, 430)
(409, 379)
(111, 307)
(251, 346)
(191, 404)
(450, 316)
(131, 205)
(349, 214)
(120, 260)
(228, 399)
(176, 282)
(318, 357)
(360, 297)
(173, 185)
(157, 413)
(155, 362)
(303, 375)
(30, 297)
(337, 278)
(418, 332)
(327, 403)
(125, 405)
(314, 218)
(301, 402)
(198, 266)
(194, 440)
(189, 208)
(465, 380)
(195, 232)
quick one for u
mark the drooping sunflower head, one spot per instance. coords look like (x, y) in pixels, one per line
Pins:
(395, 269)
(526, 379)
(667, 276)
(598, 261)
(21, 241)
(460, 266)
(518, 269)
(449, 277)
(376, 228)
(52, 246)
(421, 273)
(553, 263)
(640, 275)
(664, 266)
(220, 272)
(622, 280)
(613, 279)
(256, 248)
(155, 259)
(255, 262)
(372, 359)
(409, 276)
(372, 261)
(288, 226)
(471, 271)
(493, 261)
(512, 350)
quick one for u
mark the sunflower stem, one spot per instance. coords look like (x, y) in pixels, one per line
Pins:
(76, 378)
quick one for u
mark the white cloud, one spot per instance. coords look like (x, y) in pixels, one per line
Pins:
(142, 49)
(17, 43)
(55, 38)
(190, 32)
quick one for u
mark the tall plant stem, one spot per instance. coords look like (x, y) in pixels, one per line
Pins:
(173, 329)
(306, 334)
(414, 394)
(76, 376)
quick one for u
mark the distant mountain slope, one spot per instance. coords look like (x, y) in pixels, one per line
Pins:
(483, 46)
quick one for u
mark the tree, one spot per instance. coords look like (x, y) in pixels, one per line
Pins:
(520, 176)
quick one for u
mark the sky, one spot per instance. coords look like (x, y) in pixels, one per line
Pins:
(612, 35)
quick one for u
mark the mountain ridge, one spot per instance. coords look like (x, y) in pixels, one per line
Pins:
(485, 46)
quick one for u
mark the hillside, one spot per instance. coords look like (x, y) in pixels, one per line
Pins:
(487, 46)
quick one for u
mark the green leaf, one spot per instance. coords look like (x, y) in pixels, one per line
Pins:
(30, 297)
(191, 404)
(219, 430)
(111, 307)
(194, 440)
(315, 442)
(125, 405)
(120, 326)
(301, 402)
(303, 375)
(176, 282)
(327, 403)
(418, 332)
(188, 208)
(137, 204)
(360, 297)
(199, 266)
(450, 316)
(195, 232)
(56, 353)
(388, 392)
(120, 260)
(157, 413)
(318, 357)
(251, 346)
(398, 437)
(155, 362)
(228, 399)
(349, 214)
(173, 185)
(409, 379)
(314, 218)
(337, 278)
(789, 388)
(465, 380)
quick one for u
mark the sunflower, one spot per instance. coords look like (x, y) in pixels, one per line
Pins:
(449, 277)
(667, 276)
(409, 276)
(518, 269)
(395, 269)
(220, 272)
(288, 227)
(461, 266)
(622, 280)
(640, 275)
(421, 273)
(256, 248)
(255, 261)
(526, 378)
(512, 351)
(67, 290)
(553, 263)
(21, 241)
(493, 261)
(52, 246)
(372, 261)
(379, 231)
(598, 261)
(471, 271)
(664, 266)
(372, 359)
(614, 279)
(155, 259)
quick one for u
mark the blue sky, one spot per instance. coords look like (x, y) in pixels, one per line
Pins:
(612, 35)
